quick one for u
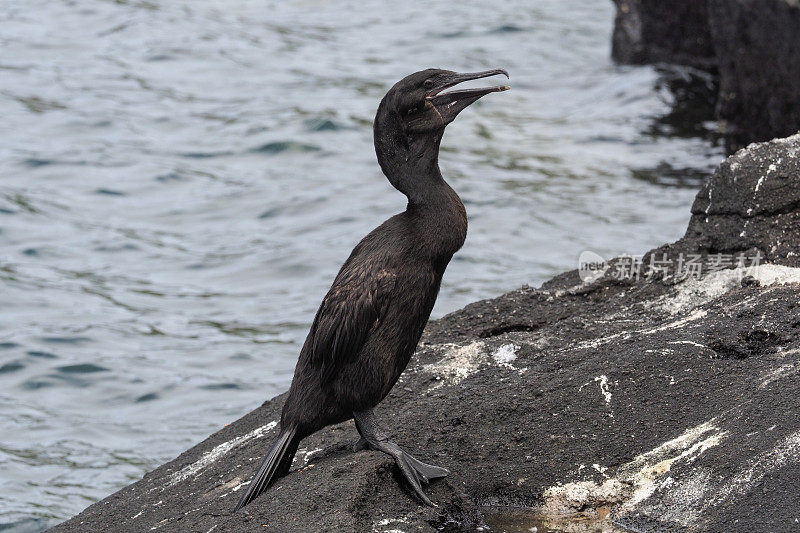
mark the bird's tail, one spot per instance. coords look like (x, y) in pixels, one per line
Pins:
(276, 464)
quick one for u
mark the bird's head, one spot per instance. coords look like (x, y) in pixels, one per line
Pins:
(412, 117)
(422, 104)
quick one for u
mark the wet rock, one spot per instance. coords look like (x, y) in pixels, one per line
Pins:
(657, 404)
(759, 65)
(752, 46)
(653, 31)
(752, 203)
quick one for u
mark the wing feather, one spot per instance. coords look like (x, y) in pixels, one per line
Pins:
(350, 311)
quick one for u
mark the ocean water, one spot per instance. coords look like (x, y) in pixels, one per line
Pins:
(180, 181)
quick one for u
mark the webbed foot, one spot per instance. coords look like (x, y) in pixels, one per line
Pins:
(414, 471)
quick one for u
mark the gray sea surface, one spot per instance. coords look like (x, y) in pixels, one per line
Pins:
(181, 180)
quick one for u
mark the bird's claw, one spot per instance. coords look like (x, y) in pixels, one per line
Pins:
(416, 473)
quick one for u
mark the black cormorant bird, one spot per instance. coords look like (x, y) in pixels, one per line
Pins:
(369, 323)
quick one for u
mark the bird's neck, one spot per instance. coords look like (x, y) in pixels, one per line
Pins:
(440, 222)
(433, 206)
(413, 169)
(410, 162)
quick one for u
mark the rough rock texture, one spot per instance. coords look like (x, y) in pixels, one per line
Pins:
(652, 31)
(754, 46)
(752, 203)
(662, 404)
(758, 50)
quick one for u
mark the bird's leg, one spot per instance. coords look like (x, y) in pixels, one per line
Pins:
(415, 471)
(360, 444)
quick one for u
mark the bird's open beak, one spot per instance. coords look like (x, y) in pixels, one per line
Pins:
(451, 103)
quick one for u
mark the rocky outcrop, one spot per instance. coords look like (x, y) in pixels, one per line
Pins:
(753, 46)
(758, 57)
(653, 31)
(657, 402)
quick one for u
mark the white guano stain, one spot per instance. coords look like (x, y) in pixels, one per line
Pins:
(505, 355)
(574, 498)
(458, 363)
(158, 525)
(772, 168)
(692, 292)
(770, 274)
(786, 451)
(781, 371)
(645, 469)
(377, 527)
(307, 454)
(689, 342)
(637, 480)
(695, 315)
(218, 451)
(778, 373)
(691, 317)
(695, 292)
(604, 390)
(603, 379)
(240, 485)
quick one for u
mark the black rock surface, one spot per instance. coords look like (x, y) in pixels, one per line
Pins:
(653, 31)
(758, 57)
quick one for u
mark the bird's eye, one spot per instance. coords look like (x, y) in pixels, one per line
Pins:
(411, 111)
(428, 84)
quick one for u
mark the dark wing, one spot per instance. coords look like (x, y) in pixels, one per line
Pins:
(351, 310)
